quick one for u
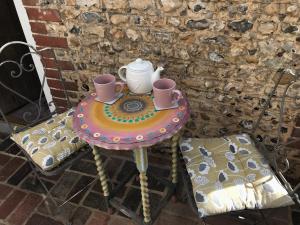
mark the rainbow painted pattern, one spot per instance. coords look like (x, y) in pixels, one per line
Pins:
(131, 122)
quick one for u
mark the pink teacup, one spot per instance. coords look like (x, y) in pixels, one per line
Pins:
(165, 95)
(106, 86)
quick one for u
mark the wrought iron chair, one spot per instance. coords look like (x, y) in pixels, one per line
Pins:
(232, 173)
(46, 139)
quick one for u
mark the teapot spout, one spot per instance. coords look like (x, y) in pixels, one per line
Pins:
(156, 74)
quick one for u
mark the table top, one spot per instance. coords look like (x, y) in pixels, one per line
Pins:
(132, 122)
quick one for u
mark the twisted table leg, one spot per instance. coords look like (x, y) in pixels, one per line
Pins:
(141, 160)
(102, 176)
(174, 158)
(145, 197)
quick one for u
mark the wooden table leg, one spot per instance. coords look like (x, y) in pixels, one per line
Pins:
(102, 176)
(141, 160)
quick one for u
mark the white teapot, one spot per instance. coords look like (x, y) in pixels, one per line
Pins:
(140, 76)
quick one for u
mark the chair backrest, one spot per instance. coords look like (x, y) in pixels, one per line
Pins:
(279, 143)
(282, 97)
(14, 73)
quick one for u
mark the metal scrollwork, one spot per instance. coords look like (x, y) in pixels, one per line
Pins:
(33, 115)
(31, 67)
(280, 160)
(283, 100)
(13, 73)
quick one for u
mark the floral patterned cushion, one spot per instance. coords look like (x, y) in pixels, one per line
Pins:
(229, 174)
(50, 142)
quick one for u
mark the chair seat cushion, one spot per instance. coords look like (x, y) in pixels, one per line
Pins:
(229, 174)
(51, 142)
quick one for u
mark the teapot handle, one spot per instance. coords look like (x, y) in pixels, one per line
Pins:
(121, 74)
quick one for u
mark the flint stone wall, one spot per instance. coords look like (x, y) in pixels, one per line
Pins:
(224, 55)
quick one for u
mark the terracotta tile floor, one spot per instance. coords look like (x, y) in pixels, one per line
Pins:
(23, 203)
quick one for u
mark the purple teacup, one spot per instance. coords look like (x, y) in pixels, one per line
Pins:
(165, 95)
(106, 86)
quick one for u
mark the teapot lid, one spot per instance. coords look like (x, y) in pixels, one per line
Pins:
(140, 65)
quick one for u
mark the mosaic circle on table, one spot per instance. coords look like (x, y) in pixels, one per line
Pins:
(130, 110)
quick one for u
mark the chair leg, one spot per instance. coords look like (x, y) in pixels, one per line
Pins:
(49, 196)
(48, 193)
(189, 195)
(264, 218)
(203, 221)
(35, 179)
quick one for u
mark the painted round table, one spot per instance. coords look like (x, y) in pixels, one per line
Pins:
(131, 123)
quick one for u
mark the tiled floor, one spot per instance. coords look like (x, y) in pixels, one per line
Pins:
(23, 203)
